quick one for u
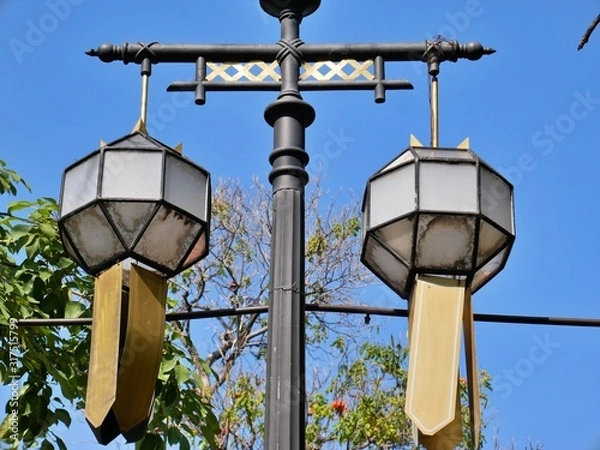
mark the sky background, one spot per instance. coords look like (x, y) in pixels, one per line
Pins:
(532, 111)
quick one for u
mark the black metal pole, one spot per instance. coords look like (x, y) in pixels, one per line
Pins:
(289, 115)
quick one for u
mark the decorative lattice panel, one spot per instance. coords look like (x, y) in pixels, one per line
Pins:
(346, 69)
(250, 71)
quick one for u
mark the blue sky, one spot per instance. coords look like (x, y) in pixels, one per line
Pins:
(532, 111)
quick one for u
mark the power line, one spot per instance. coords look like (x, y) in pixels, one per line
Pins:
(367, 311)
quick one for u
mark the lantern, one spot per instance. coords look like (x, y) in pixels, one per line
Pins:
(438, 224)
(132, 213)
(135, 198)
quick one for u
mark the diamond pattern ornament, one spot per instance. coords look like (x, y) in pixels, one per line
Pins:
(346, 69)
(251, 71)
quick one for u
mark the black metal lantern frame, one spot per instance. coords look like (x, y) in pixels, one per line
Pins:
(188, 248)
(403, 266)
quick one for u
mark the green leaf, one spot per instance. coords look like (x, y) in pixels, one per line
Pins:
(151, 442)
(63, 416)
(4, 428)
(173, 436)
(170, 394)
(45, 274)
(47, 230)
(46, 445)
(18, 206)
(32, 403)
(25, 312)
(74, 310)
(182, 373)
(167, 365)
(184, 444)
(61, 443)
(18, 231)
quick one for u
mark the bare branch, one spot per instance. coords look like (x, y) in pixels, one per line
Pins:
(588, 33)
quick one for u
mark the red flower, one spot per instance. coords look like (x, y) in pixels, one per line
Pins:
(339, 407)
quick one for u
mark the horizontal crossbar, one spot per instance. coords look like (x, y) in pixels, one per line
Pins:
(181, 53)
(341, 309)
(336, 85)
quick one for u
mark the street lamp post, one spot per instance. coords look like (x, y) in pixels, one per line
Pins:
(290, 66)
(289, 116)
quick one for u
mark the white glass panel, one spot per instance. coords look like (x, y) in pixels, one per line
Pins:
(185, 186)
(387, 267)
(447, 187)
(490, 241)
(81, 185)
(490, 270)
(168, 238)
(130, 218)
(445, 242)
(93, 236)
(405, 157)
(496, 199)
(134, 174)
(399, 237)
(392, 195)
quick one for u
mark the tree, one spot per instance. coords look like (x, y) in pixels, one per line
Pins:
(209, 392)
(37, 279)
(513, 446)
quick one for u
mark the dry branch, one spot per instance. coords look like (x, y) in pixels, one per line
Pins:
(588, 33)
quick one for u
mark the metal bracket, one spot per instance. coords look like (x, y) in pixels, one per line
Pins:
(255, 67)
(345, 74)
